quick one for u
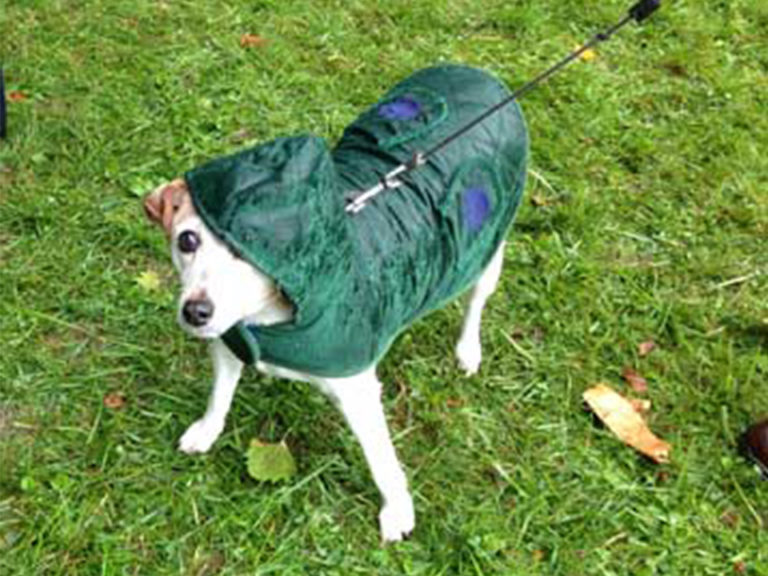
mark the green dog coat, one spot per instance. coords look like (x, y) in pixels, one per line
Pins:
(357, 280)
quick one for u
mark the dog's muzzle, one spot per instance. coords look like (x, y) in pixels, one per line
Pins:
(197, 313)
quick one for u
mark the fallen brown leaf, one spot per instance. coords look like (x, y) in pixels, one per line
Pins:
(740, 567)
(644, 348)
(16, 96)
(640, 406)
(730, 518)
(517, 332)
(621, 418)
(252, 40)
(635, 381)
(241, 136)
(114, 400)
(675, 69)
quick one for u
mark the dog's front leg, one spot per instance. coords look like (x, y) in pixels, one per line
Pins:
(226, 371)
(359, 399)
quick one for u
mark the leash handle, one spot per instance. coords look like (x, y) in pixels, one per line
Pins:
(638, 12)
(643, 9)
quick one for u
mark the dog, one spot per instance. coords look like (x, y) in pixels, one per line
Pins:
(221, 287)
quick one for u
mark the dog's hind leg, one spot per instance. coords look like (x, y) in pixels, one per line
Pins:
(468, 349)
(359, 399)
(227, 369)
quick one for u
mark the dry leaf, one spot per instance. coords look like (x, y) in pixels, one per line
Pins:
(241, 136)
(114, 400)
(730, 518)
(621, 418)
(635, 381)
(252, 40)
(539, 201)
(640, 406)
(16, 96)
(148, 280)
(644, 348)
(588, 55)
(675, 68)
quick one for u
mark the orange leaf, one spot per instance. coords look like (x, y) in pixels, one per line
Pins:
(644, 348)
(640, 406)
(114, 400)
(635, 381)
(251, 40)
(16, 96)
(621, 418)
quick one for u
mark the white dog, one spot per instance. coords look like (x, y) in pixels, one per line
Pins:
(219, 289)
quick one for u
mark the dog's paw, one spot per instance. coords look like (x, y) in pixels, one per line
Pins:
(396, 520)
(200, 436)
(469, 354)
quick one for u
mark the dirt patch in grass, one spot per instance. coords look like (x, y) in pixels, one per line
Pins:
(15, 421)
(6, 421)
(5, 247)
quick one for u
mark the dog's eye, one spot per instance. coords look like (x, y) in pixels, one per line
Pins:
(188, 241)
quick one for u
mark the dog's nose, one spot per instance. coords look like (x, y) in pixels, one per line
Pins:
(197, 312)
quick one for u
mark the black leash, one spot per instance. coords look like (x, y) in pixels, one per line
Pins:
(639, 12)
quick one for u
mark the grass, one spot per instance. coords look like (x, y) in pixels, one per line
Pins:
(650, 222)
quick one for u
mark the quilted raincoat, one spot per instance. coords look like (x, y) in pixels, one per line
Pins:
(357, 280)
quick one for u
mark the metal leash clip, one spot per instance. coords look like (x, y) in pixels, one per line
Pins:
(387, 182)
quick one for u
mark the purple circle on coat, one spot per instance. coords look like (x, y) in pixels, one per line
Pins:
(401, 108)
(475, 207)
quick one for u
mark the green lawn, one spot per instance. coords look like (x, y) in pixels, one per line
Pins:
(647, 217)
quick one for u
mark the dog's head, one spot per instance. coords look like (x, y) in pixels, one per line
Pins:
(218, 289)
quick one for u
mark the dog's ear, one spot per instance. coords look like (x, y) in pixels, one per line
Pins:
(161, 205)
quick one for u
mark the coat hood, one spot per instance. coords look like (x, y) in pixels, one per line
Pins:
(277, 206)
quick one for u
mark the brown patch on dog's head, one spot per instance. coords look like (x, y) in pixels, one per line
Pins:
(167, 203)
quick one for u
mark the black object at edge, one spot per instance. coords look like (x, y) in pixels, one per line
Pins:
(643, 9)
(751, 452)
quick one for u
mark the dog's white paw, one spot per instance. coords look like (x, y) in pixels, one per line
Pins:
(200, 436)
(396, 519)
(469, 354)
